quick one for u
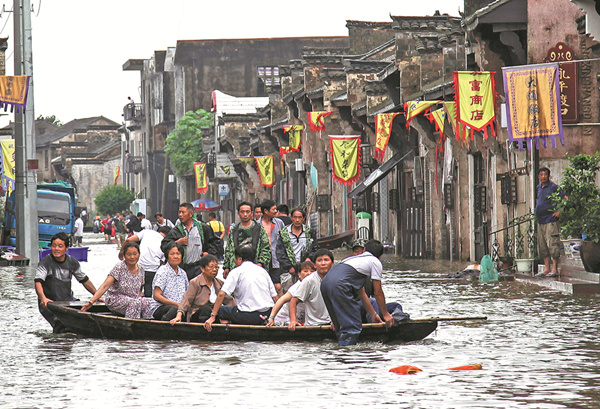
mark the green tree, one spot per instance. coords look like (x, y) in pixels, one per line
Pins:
(184, 144)
(113, 198)
(50, 119)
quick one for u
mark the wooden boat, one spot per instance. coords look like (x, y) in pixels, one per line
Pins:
(336, 241)
(98, 322)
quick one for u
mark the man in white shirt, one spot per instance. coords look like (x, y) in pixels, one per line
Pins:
(161, 221)
(252, 288)
(343, 291)
(151, 254)
(78, 235)
(309, 292)
(145, 223)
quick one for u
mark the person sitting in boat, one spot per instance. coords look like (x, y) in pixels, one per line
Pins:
(53, 279)
(309, 292)
(169, 285)
(280, 315)
(343, 291)
(252, 288)
(200, 297)
(295, 244)
(124, 286)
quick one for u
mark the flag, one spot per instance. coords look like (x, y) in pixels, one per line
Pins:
(315, 119)
(345, 153)
(13, 92)
(201, 182)
(249, 160)
(383, 130)
(314, 175)
(457, 127)
(226, 169)
(533, 109)
(8, 165)
(117, 173)
(283, 150)
(295, 136)
(438, 117)
(475, 96)
(266, 170)
(414, 108)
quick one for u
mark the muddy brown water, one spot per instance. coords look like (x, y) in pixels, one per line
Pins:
(538, 349)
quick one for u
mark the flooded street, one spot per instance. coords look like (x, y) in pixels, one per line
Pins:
(539, 349)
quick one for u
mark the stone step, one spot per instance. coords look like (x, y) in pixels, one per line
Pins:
(563, 283)
(575, 271)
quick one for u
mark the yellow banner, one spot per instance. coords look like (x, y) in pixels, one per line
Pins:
(438, 117)
(201, 182)
(315, 119)
(249, 160)
(383, 130)
(13, 91)
(117, 173)
(345, 151)
(475, 95)
(295, 133)
(414, 108)
(8, 165)
(265, 166)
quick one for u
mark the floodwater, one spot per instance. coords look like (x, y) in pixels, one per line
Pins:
(538, 349)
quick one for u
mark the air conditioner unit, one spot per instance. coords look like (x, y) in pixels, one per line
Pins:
(299, 164)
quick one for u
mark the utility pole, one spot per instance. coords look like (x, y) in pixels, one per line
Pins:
(25, 178)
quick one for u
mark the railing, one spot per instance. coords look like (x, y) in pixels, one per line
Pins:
(514, 245)
(135, 164)
(133, 112)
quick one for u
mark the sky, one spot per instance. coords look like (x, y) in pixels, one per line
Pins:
(79, 47)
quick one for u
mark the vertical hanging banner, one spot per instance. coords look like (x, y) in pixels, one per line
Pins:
(201, 182)
(345, 158)
(414, 108)
(266, 170)
(533, 104)
(383, 130)
(475, 96)
(8, 165)
(315, 119)
(295, 136)
(117, 173)
(13, 92)
(567, 80)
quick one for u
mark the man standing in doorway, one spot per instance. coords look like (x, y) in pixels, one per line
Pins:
(272, 226)
(548, 225)
(196, 238)
(247, 231)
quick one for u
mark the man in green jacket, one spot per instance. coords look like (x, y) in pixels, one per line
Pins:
(247, 231)
(197, 239)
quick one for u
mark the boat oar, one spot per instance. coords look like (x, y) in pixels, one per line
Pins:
(450, 319)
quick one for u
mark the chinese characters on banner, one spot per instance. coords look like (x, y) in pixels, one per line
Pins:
(265, 166)
(13, 92)
(383, 130)
(533, 104)
(295, 134)
(475, 96)
(414, 108)
(567, 81)
(345, 155)
(315, 119)
(201, 182)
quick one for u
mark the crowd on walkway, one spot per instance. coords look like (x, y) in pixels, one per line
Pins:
(274, 273)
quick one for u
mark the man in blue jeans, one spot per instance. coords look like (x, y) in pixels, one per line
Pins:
(252, 288)
(548, 225)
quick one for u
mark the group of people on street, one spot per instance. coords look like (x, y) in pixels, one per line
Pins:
(274, 274)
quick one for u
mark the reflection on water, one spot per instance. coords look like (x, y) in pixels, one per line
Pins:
(539, 349)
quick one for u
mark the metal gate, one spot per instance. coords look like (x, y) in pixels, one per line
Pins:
(479, 206)
(412, 218)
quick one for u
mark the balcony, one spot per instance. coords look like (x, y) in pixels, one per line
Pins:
(133, 112)
(135, 164)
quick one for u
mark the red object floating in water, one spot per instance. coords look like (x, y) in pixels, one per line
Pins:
(466, 368)
(406, 370)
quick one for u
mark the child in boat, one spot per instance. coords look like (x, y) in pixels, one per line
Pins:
(280, 315)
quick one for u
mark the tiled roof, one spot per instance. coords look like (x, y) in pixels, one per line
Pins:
(69, 128)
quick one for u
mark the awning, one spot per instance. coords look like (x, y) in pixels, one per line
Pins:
(378, 174)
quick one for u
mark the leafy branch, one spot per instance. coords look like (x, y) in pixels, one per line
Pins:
(184, 144)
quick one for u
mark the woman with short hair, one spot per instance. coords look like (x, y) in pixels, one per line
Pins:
(169, 285)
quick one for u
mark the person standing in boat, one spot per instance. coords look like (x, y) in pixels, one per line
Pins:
(343, 291)
(548, 225)
(200, 297)
(169, 285)
(272, 226)
(309, 293)
(124, 287)
(53, 279)
(295, 244)
(196, 238)
(247, 232)
(161, 221)
(257, 212)
(219, 231)
(252, 289)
